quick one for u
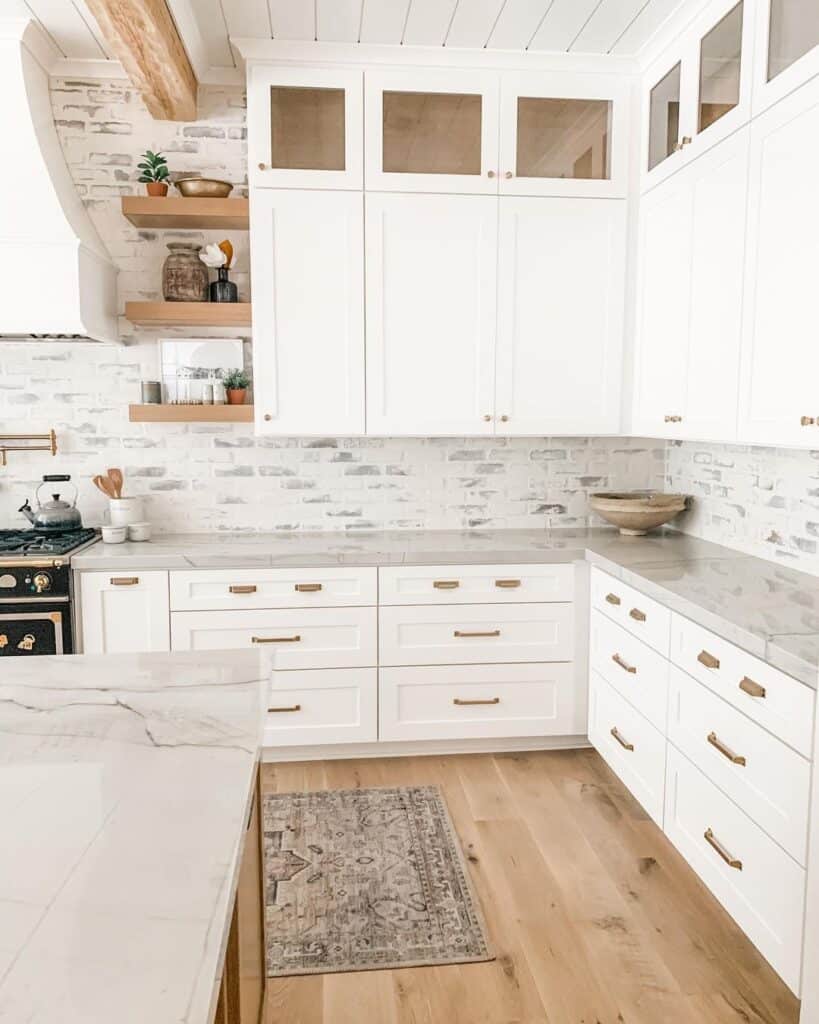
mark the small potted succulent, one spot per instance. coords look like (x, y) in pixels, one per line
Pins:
(154, 173)
(236, 383)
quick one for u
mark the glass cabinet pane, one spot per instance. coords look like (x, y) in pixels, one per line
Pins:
(431, 133)
(720, 63)
(794, 30)
(563, 138)
(307, 128)
(664, 117)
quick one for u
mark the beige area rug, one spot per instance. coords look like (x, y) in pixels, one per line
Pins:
(366, 879)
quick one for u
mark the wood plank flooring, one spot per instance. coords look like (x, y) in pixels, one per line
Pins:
(594, 917)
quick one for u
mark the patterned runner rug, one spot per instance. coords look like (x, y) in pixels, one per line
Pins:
(363, 879)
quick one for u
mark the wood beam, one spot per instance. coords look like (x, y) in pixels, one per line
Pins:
(144, 38)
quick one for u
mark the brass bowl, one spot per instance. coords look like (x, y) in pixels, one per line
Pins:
(637, 513)
(203, 188)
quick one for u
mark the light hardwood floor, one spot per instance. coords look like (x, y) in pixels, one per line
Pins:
(594, 917)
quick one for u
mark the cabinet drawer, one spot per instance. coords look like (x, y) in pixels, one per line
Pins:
(339, 706)
(301, 638)
(475, 584)
(212, 589)
(464, 701)
(768, 780)
(639, 614)
(629, 743)
(637, 672)
(419, 635)
(781, 704)
(759, 885)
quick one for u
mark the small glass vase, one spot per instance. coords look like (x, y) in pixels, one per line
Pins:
(223, 290)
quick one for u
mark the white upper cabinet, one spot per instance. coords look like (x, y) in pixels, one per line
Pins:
(563, 135)
(431, 131)
(786, 48)
(779, 402)
(307, 253)
(305, 127)
(561, 273)
(431, 306)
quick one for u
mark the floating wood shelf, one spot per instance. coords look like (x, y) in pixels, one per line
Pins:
(190, 314)
(177, 212)
(190, 413)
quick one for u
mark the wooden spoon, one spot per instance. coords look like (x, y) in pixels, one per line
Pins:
(116, 478)
(105, 485)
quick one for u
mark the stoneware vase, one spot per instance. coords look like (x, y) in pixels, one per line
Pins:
(184, 275)
(236, 396)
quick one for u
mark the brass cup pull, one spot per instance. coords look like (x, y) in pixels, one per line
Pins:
(124, 581)
(242, 588)
(293, 707)
(507, 584)
(624, 664)
(806, 421)
(672, 419)
(704, 658)
(275, 639)
(711, 839)
(462, 635)
(751, 688)
(637, 615)
(446, 584)
(623, 743)
(612, 599)
(308, 588)
(715, 741)
(468, 703)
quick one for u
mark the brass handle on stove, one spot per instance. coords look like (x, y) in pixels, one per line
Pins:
(715, 741)
(242, 588)
(124, 581)
(752, 688)
(704, 658)
(711, 839)
(623, 743)
(490, 632)
(467, 703)
(624, 664)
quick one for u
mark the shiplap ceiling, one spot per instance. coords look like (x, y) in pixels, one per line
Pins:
(580, 26)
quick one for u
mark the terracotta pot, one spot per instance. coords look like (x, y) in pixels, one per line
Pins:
(236, 396)
(156, 188)
(184, 275)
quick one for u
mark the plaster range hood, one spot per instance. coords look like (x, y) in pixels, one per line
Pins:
(57, 280)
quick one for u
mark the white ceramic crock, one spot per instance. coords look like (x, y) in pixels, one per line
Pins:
(124, 511)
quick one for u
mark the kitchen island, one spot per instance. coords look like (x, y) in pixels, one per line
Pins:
(126, 786)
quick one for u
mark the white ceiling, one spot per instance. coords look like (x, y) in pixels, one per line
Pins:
(581, 26)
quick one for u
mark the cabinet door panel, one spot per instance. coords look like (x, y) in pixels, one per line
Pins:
(560, 315)
(431, 300)
(307, 253)
(124, 612)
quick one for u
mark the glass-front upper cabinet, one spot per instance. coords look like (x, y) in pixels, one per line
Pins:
(431, 131)
(787, 48)
(305, 127)
(563, 135)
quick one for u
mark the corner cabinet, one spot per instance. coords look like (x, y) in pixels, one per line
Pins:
(124, 612)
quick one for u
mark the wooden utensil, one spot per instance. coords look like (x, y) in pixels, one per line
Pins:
(116, 478)
(105, 485)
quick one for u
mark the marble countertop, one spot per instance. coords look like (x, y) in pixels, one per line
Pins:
(766, 608)
(125, 783)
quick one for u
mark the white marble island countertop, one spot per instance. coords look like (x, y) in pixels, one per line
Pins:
(125, 784)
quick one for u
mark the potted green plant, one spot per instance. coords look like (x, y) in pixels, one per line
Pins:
(154, 173)
(236, 383)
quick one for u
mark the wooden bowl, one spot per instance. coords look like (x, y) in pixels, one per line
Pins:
(203, 188)
(637, 513)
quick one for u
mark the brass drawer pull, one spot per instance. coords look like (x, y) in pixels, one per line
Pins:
(294, 707)
(612, 599)
(275, 639)
(704, 658)
(469, 703)
(124, 581)
(507, 584)
(715, 741)
(751, 688)
(637, 615)
(308, 588)
(462, 635)
(446, 584)
(242, 588)
(711, 839)
(623, 743)
(624, 664)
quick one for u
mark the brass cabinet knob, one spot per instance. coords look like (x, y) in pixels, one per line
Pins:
(508, 174)
(504, 419)
(487, 418)
(267, 417)
(807, 421)
(490, 174)
(262, 167)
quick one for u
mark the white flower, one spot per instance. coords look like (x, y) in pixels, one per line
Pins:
(212, 256)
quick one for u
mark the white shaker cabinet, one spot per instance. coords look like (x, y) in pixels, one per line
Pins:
(124, 612)
(561, 271)
(779, 403)
(307, 254)
(431, 303)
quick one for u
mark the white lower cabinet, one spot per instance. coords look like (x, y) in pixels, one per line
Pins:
(124, 612)
(310, 707)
